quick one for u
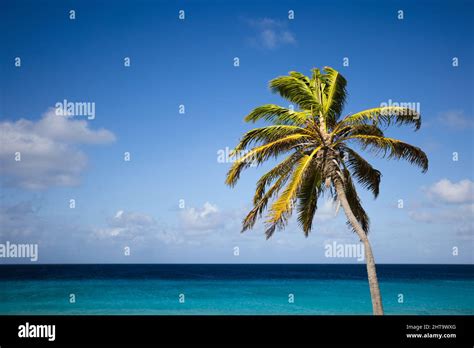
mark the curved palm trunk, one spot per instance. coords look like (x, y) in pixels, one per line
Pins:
(369, 257)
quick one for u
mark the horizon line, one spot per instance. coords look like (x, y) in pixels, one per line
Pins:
(220, 264)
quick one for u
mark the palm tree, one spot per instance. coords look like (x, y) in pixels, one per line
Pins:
(320, 160)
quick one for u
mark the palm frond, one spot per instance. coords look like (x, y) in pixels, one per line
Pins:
(282, 168)
(315, 77)
(261, 204)
(385, 116)
(358, 129)
(268, 134)
(301, 77)
(395, 149)
(366, 175)
(354, 202)
(296, 91)
(271, 230)
(308, 197)
(261, 154)
(278, 115)
(335, 93)
(282, 207)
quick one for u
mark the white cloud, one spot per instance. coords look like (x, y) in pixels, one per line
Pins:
(456, 119)
(421, 216)
(49, 150)
(202, 219)
(449, 203)
(133, 226)
(451, 192)
(326, 211)
(445, 214)
(19, 222)
(270, 33)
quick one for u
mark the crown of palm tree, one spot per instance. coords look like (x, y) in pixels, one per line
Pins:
(316, 140)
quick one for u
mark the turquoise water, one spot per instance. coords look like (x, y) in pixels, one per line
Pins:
(232, 289)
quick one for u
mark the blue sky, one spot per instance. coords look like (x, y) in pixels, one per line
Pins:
(174, 156)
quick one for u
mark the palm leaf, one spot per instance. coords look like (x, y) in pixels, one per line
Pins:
(277, 115)
(261, 154)
(358, 129)
(354, 202)
(282, 207)
(261, 204)
(385, 115)
(296, 91)
(366, 175)
(301, 77)
(395, 149)
(282, 168)
(308, 197)
(335, 92)
(268, 134)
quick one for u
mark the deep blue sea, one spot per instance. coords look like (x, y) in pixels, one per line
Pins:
(233, 289)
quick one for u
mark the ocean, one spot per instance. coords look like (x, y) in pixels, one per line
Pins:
(232, 289)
